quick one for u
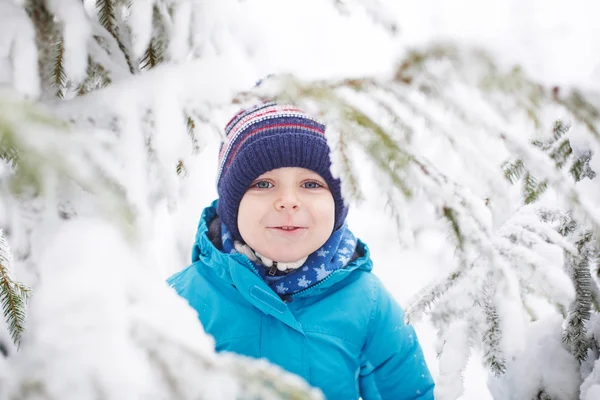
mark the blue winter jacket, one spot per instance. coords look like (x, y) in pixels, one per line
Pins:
(344, 335)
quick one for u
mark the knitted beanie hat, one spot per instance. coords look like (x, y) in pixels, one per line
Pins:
(266, 137)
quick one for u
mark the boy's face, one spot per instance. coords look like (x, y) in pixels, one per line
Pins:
(287, 214)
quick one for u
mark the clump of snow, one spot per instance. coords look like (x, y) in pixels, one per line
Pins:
(125, 337)
(544, 364)
(18, 52)
(453, 362)
(140, 22)
(77, 31)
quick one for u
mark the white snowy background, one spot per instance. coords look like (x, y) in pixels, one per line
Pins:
(554, 41)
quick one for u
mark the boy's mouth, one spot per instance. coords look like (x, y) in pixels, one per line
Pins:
(288, 228)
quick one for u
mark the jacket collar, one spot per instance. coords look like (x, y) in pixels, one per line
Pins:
(237, 270)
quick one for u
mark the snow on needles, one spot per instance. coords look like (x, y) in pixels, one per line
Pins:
(18, 53)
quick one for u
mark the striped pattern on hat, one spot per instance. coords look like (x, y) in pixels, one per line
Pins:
(264, 117)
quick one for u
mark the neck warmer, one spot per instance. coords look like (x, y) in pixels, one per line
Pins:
(335, 254)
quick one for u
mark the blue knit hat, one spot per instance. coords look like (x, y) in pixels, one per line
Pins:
(266, 137)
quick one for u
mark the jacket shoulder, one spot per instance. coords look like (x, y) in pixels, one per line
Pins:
(187, 281)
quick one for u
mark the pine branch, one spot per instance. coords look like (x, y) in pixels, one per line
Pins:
(60, 77)
(48, 33)
(560, 129)
(493, 356)
(581, 168)
(97, 78)
(513, 170)
(191, 126)
(428, 296)
(180, 168)
(257, 379)
(382, 148)
(580, 311)
(532, 189)
(151, 57)
(350, 179)
(13, 295)
(106, 15)
(582, 110)
(8, 153)
(450, 215)
(561, 153)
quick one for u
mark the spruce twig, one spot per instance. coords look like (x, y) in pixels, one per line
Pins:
(580, 311)
(13, 295)
(491, 338)
(107, 17)
(151, 57)
(191, 127)
(60, 77)
(532, 189)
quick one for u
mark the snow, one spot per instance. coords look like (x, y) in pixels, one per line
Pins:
(104, 290)
(140, 21)
(535, 367)
(77, 32)
(18, 54)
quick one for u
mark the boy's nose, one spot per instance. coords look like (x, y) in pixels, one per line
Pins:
(288, 201)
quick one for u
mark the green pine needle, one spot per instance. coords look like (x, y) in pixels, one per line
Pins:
(60, 77)
(13, 295)
(561, 154)
(560, 128)
(150, 59)
(532, 189)
(106, 14)
(450, 215)
(493, 354)
(181, 169)
(191, 127)
(581, 168)
(513, 170)
(384, 150)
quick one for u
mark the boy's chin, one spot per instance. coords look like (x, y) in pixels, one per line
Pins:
(287, 257)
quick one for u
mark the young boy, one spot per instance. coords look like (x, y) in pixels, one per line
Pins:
(277, 274)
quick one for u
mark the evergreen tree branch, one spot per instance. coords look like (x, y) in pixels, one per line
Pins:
(428, 296)
(191, 126)
(583, 111)
(97, 78)
(532, 189)
(581, 168)
(106, 10)
(575, 334)
(13, 295)
(493, 355)
(350, 180)
(257, 379)
(513, 170)
(48, 34)
(106, 15)
(382, 148)
(60, 77)
(152, 57)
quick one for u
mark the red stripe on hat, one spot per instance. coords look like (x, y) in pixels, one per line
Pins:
(270, 110)
(258, 130)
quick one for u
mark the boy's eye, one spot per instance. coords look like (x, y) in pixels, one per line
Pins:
(311, 185)
(263, 185)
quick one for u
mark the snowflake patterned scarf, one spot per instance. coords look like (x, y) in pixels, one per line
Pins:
(335, 254)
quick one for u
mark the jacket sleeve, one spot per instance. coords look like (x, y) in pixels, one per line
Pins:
(393, 366)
